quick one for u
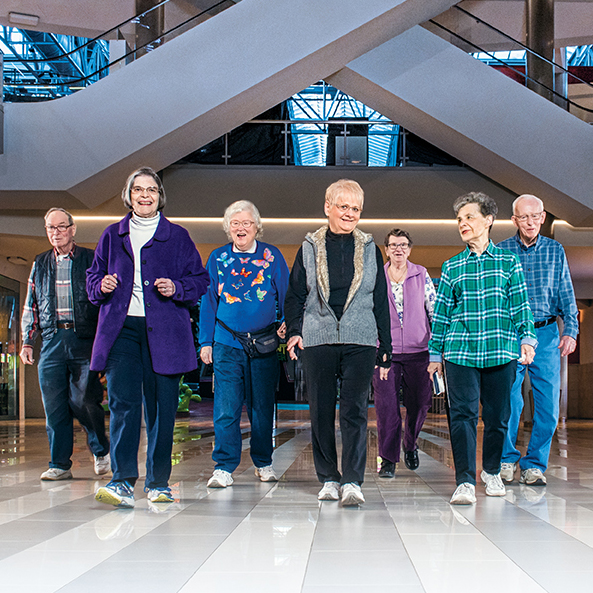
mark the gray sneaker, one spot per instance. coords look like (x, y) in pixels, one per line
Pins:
(532, 476)
(464, 494)
(494, 485)
(352, 495)
(507, 472)
(330, 491)
(55, 473)
(220, 479)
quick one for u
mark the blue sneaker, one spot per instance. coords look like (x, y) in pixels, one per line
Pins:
(119, 494)
(159, 494)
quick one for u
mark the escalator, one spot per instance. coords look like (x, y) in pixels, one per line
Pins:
(485, 119)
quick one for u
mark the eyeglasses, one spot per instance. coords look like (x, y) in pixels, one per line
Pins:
(61, 228)
(153, 191)
(534, 217)
(346, 207)
(402, 246)
(246, 224)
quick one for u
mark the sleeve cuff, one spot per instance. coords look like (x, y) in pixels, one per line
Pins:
(529, 342)
(435, 358)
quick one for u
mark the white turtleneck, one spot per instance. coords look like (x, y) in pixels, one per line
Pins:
(141, 232)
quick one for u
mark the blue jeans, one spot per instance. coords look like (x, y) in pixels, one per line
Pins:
(544, 374)
(130, 382)
(240, 380)
(70, 390)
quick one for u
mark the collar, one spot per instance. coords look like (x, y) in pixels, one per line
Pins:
(162, 233)
(489, 251)
(59, 256)
(252, 250)
(522, 245)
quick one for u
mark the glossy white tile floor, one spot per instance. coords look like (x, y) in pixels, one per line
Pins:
(277, 537)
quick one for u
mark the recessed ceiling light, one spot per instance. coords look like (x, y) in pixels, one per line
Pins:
(19, 18)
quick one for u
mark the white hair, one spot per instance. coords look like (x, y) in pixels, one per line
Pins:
(530, 197)
(242, 206)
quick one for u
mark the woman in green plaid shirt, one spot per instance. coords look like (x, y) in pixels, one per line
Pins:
(481, 314)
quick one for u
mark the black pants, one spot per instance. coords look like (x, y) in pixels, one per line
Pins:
(353, 365)
(467, 387)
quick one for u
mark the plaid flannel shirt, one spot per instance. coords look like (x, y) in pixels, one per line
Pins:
(481, 307)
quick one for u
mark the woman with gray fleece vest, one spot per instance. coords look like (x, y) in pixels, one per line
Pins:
(336, 309)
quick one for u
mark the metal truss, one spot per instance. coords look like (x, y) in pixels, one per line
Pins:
(317, 106)
(38, 66)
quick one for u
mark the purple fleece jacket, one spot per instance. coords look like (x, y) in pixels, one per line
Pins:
(414, 334)
(169, 254)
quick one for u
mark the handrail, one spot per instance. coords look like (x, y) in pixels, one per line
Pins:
(519, 72)
(135, 50)
(531, 51)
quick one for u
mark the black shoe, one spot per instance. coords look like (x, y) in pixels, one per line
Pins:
(411, 459)
(387, 469)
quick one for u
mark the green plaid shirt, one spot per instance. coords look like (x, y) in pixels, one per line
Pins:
(481, 307)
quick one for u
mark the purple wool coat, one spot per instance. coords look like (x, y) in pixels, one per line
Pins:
(169, 254)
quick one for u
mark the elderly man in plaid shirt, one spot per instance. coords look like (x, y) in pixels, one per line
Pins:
(58, 308)
(551, 295)
(480, 310)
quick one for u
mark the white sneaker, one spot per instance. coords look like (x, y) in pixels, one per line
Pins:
(532, 476)
(330, 491)
(507, 472)
(266, 474)
(494, 485)
(465, 494)
(220, 479)
(55, 473)
(102, 464)
(352, 495)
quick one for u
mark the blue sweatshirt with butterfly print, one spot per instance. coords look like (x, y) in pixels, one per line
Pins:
(246, 292)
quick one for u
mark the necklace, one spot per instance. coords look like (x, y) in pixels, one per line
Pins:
(400, 276)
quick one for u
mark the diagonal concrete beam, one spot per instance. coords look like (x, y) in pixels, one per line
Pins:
(480, 116)
(188, 92)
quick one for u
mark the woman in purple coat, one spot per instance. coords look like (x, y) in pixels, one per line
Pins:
(411, 304)
(146, 273)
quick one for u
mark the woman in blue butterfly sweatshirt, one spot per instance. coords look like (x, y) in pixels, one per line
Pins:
(248, 282)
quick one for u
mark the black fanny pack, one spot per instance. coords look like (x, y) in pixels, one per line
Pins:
(259, 343)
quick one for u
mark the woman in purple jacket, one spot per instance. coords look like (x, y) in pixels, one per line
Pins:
(146, 273)
(411, 304)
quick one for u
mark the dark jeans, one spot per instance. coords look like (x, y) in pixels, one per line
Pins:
(353, 365)
(130, 382)
(409, 371)
(466, 388)
(240, 380)
(70, 390)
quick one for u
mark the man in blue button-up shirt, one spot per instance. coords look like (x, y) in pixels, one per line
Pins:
(551, 295)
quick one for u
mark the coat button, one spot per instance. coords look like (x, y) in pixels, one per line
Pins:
(148, 304)
(150, 329)
(143, 262)
(146, 283)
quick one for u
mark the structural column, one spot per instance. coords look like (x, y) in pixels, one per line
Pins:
(540, 38)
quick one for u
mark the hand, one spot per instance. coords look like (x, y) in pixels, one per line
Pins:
(567, 345)
(294, 341)
(109, 283)
(165, 286)
(206, 354)
(435, 367)
(527, 354)
(281, 331)
(383, 371)
(27, 355)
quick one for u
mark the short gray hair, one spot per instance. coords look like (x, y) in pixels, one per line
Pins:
(530, 197)
(70, 219)
(242, 206)
(486, 204)
(125, 194)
